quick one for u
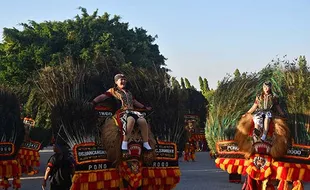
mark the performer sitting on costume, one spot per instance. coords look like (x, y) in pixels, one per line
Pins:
(128, 102)
(263, 108)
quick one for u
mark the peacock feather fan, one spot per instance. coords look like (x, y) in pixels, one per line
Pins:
(233, 98)
(235, 95)
(74, 122)
(73, 119)
(11, 126)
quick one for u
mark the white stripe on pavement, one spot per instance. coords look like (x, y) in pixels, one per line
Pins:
(45, 151)
(205, 170)
(30, 177)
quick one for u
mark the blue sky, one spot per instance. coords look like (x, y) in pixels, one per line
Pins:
(202, 38)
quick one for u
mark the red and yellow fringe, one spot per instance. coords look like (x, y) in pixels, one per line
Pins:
(150, 178)
(231, 165)
(4, 183)
(189, 156)
(291, 171)
(28, 158)
(282, 171)
(134, 180)
(95, 180)
(283, 185)
(164, 178)
(297, 185)
(10, 169)
(254, 172)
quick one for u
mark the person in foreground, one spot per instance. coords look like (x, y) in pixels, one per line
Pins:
(130, 117)
(263, 109)
(60, 169)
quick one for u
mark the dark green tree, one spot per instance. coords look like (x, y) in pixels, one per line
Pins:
(182, 83)
(201, 84)
(187, 83)
(244, 75)
(206, 85)
(175, 83)
(237, 74)
(85, 38)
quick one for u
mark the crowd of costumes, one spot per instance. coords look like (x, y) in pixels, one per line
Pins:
(116, 150)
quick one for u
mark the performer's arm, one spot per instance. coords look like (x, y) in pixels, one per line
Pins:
(252, 109)
(48, 171)
(102, 97)
(279, 109)
(138, 104)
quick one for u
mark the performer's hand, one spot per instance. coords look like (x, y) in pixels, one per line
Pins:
(283, 115)
(44, 184)
(148, 108)
(245, 114)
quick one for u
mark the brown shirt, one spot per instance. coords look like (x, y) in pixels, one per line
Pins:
(123, 95)
(266, 101)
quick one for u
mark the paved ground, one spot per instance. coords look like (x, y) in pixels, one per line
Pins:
(200, 175)
(203, 174)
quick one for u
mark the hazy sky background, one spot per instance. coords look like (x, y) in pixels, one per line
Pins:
(203, 38)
